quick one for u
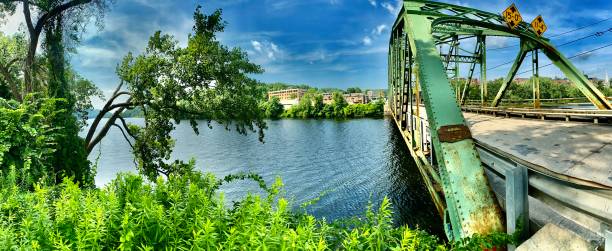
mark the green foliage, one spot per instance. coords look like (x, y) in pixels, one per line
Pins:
(338, 105)
(12, 52)
(30, 138)
(282, 86)
(182, 213)
(371, 110)
(353, 90)
(524, 91)
(81, 91)
(205, 80)
(311, 106)
(272, 108)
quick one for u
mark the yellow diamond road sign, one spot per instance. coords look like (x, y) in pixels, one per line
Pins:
(538, 25)
(512, 16)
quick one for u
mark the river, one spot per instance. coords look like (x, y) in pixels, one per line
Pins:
(346, 164)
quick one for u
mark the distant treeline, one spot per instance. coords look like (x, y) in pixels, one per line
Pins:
(549, 89)
(312, 106)
(283, 86)
(274, 109)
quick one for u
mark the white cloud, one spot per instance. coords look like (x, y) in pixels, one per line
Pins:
(393, 9)
(274, 47)
(256, 45)
(389, 7)
(265, 52)
(379, 29)
(372, 2)
(94, 56)
(499, 42)
(367, 40)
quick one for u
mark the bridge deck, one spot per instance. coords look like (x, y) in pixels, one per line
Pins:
(574, 149)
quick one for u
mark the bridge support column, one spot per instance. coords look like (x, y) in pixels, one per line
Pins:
(535, 79)
(483, 70)
(470, 203)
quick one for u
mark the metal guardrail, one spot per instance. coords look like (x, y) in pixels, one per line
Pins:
(582, 208)
(530, 101)
(568, 114)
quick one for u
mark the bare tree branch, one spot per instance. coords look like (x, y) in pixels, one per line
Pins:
(124, 136)
(127, 129)
(119, 105)
(93, 142)
(105, 109)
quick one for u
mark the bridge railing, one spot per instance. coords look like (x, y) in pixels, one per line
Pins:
(567, 114)
(531, 195)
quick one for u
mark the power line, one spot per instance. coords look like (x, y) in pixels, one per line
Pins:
(597, 34)
(577, 55)
(560, 34)
(501, 48)
(580, 28)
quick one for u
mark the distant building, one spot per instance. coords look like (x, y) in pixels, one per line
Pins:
(374, 95)
(355, 98)
(561, 81)
(522, 80)
(287, 94)
(607, 80)
(288, 97)
(463, 80)
(327, 98)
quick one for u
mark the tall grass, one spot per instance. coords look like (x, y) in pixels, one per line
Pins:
(182, 213)
(188, 213)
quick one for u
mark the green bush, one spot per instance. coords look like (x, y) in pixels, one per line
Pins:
(272, 108)
(182, 213)
(38, 138)
(311, 106)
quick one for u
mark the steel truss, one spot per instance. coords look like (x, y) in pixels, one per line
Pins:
(439, 139)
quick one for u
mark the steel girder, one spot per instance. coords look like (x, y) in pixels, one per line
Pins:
(461, 58)
(470, 206)
(449, 21)
(418, 73)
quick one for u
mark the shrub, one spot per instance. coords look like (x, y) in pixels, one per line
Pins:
(182, 213)
(32, 142)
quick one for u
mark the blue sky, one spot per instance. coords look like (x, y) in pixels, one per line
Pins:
(323, 43)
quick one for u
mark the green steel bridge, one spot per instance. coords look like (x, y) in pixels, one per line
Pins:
(496, 173)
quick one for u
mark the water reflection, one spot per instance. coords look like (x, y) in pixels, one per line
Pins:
(407, 191)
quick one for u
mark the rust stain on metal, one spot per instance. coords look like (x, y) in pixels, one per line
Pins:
(454, 133)
(486, 220)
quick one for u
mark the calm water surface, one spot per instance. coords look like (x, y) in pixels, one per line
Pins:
(345, 163)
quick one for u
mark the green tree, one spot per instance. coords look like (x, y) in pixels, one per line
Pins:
(12, 53)
(353, 90)
(317, 109)
(169, 83)
(273, 108)
(70, 14)
(338, 104)
(30, 142)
